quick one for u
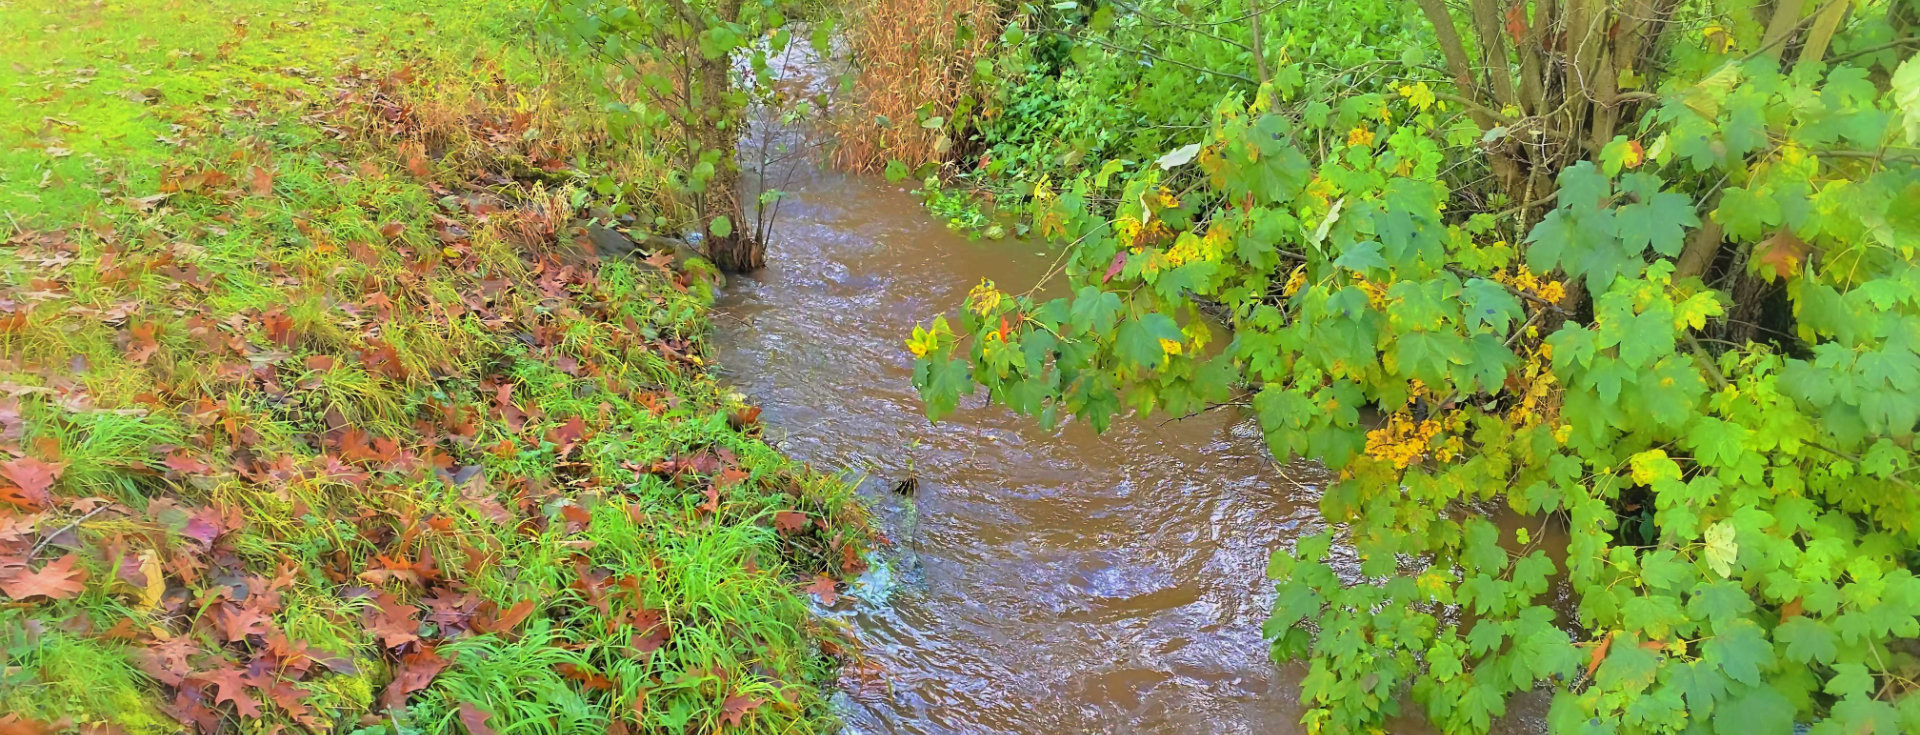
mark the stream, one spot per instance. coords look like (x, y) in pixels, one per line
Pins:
(1039, 581)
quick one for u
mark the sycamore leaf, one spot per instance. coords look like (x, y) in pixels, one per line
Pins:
(1722, 551)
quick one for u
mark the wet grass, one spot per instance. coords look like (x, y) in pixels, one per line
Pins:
(318, 416)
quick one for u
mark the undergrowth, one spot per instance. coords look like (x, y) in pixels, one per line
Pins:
(316, 413)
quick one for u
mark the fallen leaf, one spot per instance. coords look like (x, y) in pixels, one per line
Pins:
(58, 580)
(737, 706)
(186, 464)
(789, 521)
(396, 623)
(415, 672)
(231, 687)
(823, 587)
(475, 719)
(260, 181)
(488, 620)
(32, 479)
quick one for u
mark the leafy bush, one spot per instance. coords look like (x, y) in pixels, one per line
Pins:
(1645, 275)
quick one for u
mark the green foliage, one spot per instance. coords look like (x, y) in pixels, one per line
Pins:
(1733, 471)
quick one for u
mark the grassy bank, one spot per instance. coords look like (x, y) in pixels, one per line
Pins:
(314, 413)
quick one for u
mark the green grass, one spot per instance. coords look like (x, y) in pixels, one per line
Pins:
(280, 335)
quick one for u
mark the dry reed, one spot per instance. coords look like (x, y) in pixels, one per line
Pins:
(909, 54)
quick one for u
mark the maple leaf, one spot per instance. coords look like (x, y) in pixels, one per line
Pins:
(587, 677)
(396, 623)
(231, 686)
(142, 341)
(823, 587)
(736, 708)
(279, 328)
(31, 479)
(415, 672)
(186, 464)
(1781, 256)
(58, 580)
(237, 621)
(790, 521)
(475, 719)
(1517, 22)
(260, 181)
(14, 724)
(488, 619)
(742, 419)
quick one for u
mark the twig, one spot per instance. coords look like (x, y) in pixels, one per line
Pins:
(48, 539)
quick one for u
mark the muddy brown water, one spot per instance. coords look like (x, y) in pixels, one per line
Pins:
(1039, 581)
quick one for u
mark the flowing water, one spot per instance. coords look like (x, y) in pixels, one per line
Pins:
(1040, 581)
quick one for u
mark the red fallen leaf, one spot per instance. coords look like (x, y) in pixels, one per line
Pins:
(32, 479)
(744, 418)
(416, 671)
(392, 230)
(231, 686)
(475, 719)
(260, 181)
(143, 342)
(14, 724)
(653, 634)
(186, 464)
(58, 580)
(586, 677)
(1517, 22)
(823, 587)
(713, 500)
(414, 155)
(1113, 269)
(321, 363)
(279, 328)
(737, 706)
(790, 521)
(488, 619)
(576, 515)
(1781, 256)
(396, 623)
(289, 697)
(237, 621)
